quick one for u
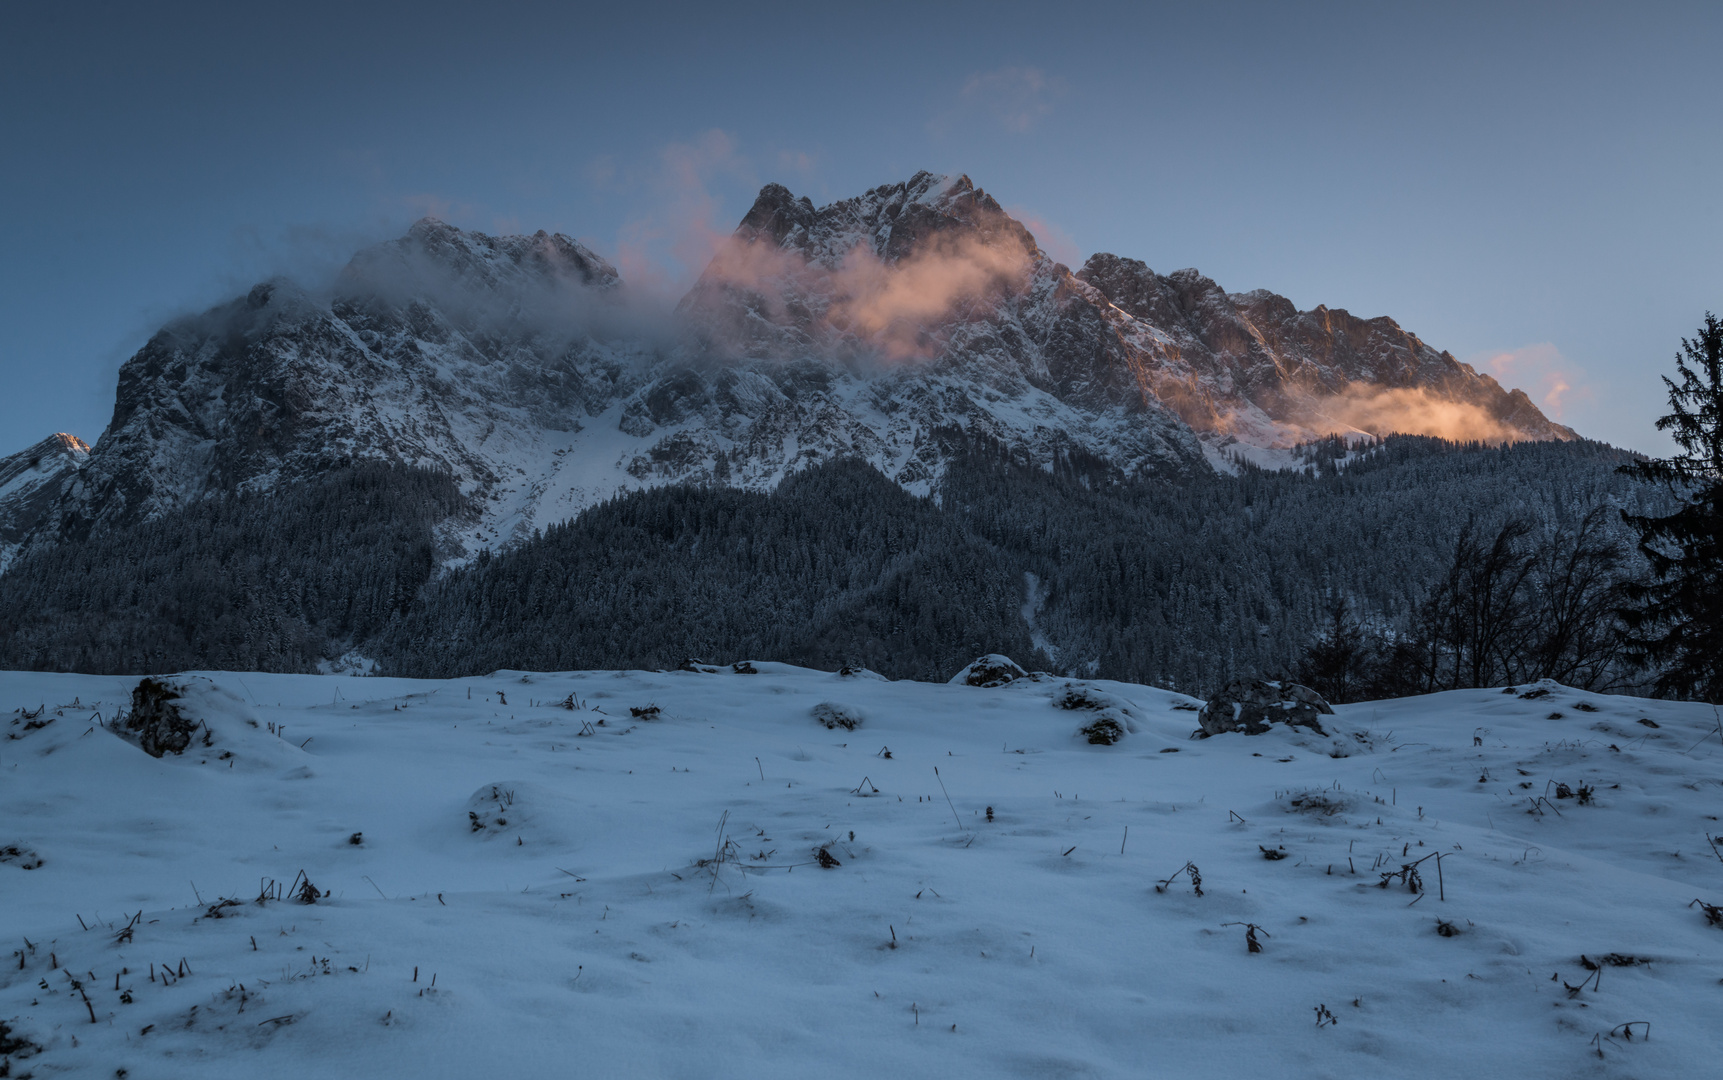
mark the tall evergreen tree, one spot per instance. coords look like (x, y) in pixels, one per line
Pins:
(1675, 621)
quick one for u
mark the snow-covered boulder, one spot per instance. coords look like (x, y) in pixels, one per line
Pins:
(1111, 716)
(988, 671)
(191, 716)
(491, 808)
(1253, 705)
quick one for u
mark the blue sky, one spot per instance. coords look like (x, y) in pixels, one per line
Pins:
(1531, 187)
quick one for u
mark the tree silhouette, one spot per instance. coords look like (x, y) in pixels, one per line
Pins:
(1675, 621)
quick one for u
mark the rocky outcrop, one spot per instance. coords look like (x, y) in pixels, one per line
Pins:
(32, 483)
(1254, 705)
(989, 671)
(157, 721)
(1253, 367)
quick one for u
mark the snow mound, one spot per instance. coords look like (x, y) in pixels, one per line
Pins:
(192, 718)
(834, 716)
(989, 671)
(1113, 716)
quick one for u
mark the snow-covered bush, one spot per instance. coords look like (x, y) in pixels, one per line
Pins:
(835, 716)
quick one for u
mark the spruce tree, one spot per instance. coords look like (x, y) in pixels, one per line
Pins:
(1675, 620)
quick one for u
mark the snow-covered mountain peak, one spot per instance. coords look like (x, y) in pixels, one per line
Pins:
(439, 258)
(898, 326)
(31, 481)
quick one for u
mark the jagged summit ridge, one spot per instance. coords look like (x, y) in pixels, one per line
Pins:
(31, 482)
(435, 254)
(897, 326)
(1251, 366)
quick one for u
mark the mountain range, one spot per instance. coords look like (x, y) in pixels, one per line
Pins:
(894, 327)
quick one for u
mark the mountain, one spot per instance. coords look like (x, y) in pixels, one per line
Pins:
(898, 327)
(32, 482)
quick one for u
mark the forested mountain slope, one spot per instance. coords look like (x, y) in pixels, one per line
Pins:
(1077, 569)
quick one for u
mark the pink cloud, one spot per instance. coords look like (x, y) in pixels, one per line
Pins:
(1056, 242)
(895, 307)
(1542, 372)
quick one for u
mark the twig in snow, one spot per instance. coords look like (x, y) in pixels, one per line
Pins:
(1713, 912)
(948, 801)
(1250, 932)
(1188, 868)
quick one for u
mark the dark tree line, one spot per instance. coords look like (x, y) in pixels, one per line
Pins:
(1515, 604)
(1183, 584)
(270, 582)
(839, 565)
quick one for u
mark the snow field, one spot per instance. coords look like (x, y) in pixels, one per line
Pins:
(644, 897)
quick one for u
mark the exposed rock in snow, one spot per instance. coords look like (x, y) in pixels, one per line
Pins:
(1252, 705)
(989, 671)
(193, 718)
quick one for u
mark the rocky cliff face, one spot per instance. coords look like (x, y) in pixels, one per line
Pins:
(32, 482)
(892, 326)
(1251, 367)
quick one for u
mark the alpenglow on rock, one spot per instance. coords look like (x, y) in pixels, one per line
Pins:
(901, 327)
(32, 482)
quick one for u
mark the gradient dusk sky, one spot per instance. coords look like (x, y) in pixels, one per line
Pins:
(1534, 188)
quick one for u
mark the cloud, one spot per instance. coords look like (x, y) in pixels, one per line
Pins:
(662, 249)
(1383, 410)
(1542, 372)
(799, 162)
(1016, 98)
(893, 308)
(1056, 242)
(426, 204)
(894, 304)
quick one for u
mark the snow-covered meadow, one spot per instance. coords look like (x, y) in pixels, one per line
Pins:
(511, 887)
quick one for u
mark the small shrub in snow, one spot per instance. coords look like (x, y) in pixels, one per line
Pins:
(1250, 932)
(644, 712)
(303, 891)
(1713, 912)
(1078, 696)
(491, 808)
(14, 1045)
(1103, 732)
(1322, 801)
(1189, 868)
(22, 857)
(835, 716)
